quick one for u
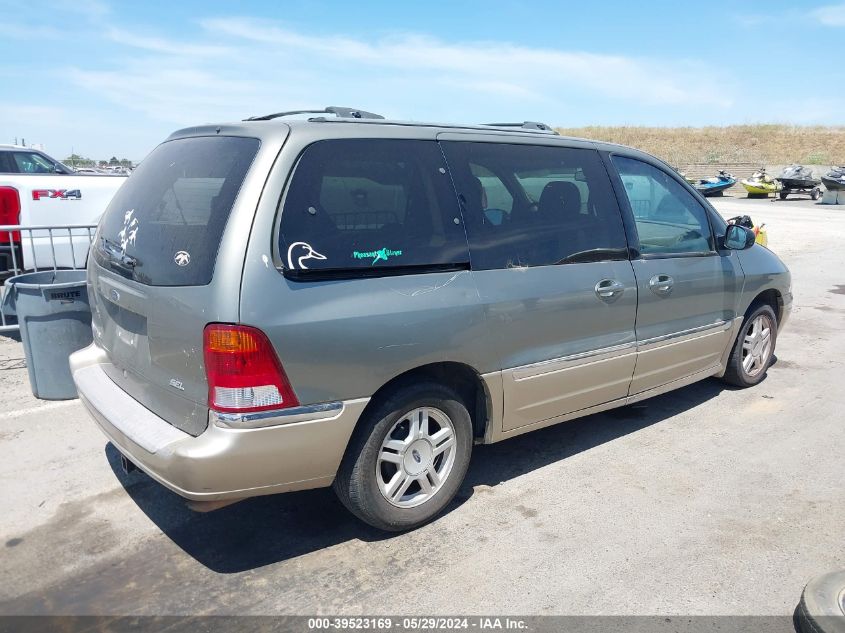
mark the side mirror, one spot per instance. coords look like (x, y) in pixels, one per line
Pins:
(739, 238)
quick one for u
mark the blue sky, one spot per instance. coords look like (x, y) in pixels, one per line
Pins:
(115, 78)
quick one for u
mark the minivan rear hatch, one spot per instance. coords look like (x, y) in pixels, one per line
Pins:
(154, 260)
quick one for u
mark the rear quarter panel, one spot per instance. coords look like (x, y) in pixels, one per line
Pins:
(168, 343)
(344, 339)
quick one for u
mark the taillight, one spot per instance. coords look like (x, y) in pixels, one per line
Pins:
(10, 213)
(244, 373)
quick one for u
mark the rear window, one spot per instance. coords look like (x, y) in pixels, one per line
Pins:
(164, 225)
(366, 205)
(32, 163)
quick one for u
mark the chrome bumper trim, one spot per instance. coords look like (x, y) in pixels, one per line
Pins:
(541, 368)
(276, 417)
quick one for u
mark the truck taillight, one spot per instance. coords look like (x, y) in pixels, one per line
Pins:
(244, 373)
(10, 213)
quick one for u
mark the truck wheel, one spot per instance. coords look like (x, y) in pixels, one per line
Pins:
(753, 349)
(407, 458)
(816, 194)
(783, 195)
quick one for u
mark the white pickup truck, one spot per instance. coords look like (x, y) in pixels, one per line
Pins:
(37, 190)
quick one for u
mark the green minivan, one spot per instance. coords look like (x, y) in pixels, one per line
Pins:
(342, 300)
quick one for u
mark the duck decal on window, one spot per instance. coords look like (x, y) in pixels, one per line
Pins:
(298, 252)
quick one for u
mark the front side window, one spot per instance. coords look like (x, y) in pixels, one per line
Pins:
(530, 205)
(669, 219)
(371, 204)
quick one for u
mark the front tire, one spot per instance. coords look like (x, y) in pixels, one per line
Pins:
(753, 349)
(407, 458)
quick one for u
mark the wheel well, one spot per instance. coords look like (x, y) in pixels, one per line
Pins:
(463, 378)
(771, 298)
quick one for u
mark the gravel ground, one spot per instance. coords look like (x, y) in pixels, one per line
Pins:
(707, 501)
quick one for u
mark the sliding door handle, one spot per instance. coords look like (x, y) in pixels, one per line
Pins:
(661, 285)
(609, 289)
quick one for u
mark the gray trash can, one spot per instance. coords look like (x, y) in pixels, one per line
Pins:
(55, 321)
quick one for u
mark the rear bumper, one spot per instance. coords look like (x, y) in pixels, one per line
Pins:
(222, 463)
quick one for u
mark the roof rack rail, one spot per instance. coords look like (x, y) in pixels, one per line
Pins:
(534, 126)
(338, 111)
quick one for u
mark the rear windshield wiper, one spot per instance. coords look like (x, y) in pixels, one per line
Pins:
(117, 255)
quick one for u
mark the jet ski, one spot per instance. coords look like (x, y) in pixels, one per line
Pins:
(834, 180)
(715, 186)
(798, 177)
(760, 184)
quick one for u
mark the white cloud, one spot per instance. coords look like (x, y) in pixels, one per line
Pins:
(161, 45)
(241, 67)
(150, 83)
(164, 91)
(830, 15)
(517, 70)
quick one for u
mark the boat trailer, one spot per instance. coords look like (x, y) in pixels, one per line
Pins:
(814, 192)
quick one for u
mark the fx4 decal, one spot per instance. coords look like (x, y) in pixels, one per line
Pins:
(61, 194)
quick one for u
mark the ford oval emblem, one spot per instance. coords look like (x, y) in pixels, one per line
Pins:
(182, 258)
(115, 295)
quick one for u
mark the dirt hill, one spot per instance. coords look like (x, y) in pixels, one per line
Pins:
(763, 144)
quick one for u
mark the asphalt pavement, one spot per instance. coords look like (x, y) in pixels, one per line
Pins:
(708, 500)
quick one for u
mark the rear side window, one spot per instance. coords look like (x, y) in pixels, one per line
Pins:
(669, 219)
(531, 205)
(7, 165)
(365, 205)
(164, 225)
(32, 163)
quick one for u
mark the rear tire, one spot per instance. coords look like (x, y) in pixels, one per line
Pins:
(754, 348)
(816, 194)
(783, 195)
(407, 458)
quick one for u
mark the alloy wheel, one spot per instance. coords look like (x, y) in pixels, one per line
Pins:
(416, 457)
(757, 345)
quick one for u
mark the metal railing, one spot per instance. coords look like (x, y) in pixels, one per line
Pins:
(38, 248)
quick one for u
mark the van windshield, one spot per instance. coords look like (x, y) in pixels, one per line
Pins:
(164, 225)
